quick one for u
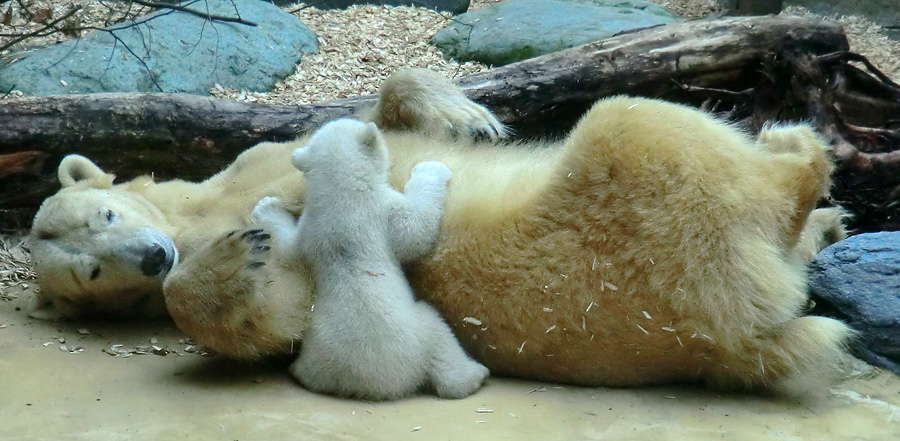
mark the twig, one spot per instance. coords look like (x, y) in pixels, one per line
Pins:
(201, 14)
(52, 25)
(853, 56)
(11, 89)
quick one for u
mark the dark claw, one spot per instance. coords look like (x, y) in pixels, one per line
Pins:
(255, 265)
(261, 249)
(488, 134)
(251, 232)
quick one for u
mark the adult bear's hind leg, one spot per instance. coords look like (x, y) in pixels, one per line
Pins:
(824, 227)
(425, 101)
(803, 167)
(798, 357)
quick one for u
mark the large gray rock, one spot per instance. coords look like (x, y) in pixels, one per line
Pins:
(181, 53)
(454, 6)
(520, 29)
(860, 278)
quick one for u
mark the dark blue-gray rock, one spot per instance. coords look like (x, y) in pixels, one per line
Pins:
(860, 278)
(180, 52)
(454, 6)
(520, 29)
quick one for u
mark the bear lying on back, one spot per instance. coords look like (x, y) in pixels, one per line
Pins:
(653, 244)
(368, 337)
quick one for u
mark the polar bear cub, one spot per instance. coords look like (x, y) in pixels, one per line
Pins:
(369, 338)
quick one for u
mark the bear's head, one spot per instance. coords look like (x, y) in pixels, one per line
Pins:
(344, 151)
(97, 247)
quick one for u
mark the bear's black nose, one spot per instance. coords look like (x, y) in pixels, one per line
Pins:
(155, 260)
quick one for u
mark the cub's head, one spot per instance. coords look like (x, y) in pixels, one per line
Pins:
(344, 151)
(97, 249)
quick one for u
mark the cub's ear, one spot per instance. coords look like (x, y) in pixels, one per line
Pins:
(299, 158)
(76, 169)
(369, 136)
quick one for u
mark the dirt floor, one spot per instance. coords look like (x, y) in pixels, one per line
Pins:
(106, 381)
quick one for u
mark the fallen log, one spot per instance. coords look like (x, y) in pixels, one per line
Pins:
(737, 65)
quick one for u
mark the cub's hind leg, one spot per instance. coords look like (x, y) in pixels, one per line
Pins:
(452, 373)
(425, 101)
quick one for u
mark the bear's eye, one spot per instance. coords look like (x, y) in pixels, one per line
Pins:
(110, 216)
(95, 273)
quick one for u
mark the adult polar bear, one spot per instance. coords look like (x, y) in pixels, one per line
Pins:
(653, 245)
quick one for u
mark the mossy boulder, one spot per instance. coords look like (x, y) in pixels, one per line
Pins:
(520, 29)
(170, 52)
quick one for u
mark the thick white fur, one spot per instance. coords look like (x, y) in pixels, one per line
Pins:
(369, 338)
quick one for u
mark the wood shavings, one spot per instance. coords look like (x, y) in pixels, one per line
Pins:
(647, 314)
(484, 410)
(359, 47)
(642, 329)
(15, 266)
(472, 321)
(537, 389)
(120, 351)
(522, 347)
(71, 350)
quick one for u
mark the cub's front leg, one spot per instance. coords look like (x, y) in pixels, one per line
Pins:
(425, 101)
(416, 226)
(271, 215)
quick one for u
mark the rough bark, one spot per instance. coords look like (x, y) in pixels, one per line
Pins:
(739, 65)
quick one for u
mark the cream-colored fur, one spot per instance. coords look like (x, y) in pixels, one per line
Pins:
(368, 336)
(654, 244)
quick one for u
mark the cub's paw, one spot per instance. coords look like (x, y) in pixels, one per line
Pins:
(464, 381)
(434, 170)
(266, 210)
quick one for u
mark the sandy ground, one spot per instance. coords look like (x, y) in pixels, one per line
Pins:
(80, 392)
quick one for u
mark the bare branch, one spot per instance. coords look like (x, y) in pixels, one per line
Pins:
(52, 25)
(201, 14)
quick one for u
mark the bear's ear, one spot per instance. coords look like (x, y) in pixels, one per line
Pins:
(76, 169)
(299, 158)
(368, 137)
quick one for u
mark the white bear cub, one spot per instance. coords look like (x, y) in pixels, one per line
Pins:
(369, 338)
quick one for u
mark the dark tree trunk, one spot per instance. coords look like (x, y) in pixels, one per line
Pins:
(751, 69)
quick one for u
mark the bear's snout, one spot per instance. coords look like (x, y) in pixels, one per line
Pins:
(156, 260)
